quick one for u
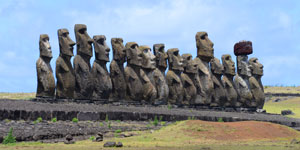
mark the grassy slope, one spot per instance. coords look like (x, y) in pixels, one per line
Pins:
(292, 103)
(282, 89)
(176, 136)
(5, 95)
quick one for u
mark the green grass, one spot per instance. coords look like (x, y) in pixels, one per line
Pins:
(292, 104)
(282, 89)
(26, 96)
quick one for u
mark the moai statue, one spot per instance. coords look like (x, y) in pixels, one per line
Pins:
(82, 66)
(173, 77)
(117, 69)
(229, 73)
(45, 78)
(64, 72)
(132, 72)
(256, 86)
(100, 76)
(241, 80)
(219, 94)
(147, 71)
(188, 78)
(205, 52)
(159, 77)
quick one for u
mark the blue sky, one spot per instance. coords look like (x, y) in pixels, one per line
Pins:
(272, 26)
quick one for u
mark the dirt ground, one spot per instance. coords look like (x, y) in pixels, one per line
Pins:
(238, 131)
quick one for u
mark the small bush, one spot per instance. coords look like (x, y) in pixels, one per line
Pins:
(109, 125)
(155, 122)
(169, 106)
(92, 138)
(101, 124)
(220, 120)
(106, 118)
(9, 139)
(39, 119)
(75, 120)
(118, 131)
(53, 120)
(118, 121)
(162, 123)
(117, 135)
(160, 118)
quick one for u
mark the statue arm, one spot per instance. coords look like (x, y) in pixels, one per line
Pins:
(42, 74)
(59, 78)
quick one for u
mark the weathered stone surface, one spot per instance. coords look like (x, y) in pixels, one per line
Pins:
(188, 77)
(82, 66)
(133, 72)
(45, 78)
(286, 112)
(69, 139)
(219, 94)
(64, 72)
(241, 82)
(84, 116)
(159, 78)
(256, 86)
(243, 48)
(109, 144)
(99, 137)
(147, 71)
(117, 69)
(205, 52)
(173, 77)
(125, 112)
(119, 144)
(102, 85)
(229, 73)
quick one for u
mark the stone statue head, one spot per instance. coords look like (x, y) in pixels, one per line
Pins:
(216, 66)
(65, 42)
(205, 48)
(243, 67)
(101, 48)
(189, 64)
(256, 66)
(228, 64)
(45, 48)
(83, 40)
(174, 59)
(133, 54)
(161, 55)
(119, 51)
(148, 59)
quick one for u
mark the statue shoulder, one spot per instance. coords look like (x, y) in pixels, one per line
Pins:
(61, 64)
(253, 82)
(186, 79)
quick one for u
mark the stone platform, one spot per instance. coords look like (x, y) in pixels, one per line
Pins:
(30, 110)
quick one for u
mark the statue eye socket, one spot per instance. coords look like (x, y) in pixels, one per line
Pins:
(100, 41)
(145, 50)
(65, 34)
(202, 37)
(81, 31)
(175, 53)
